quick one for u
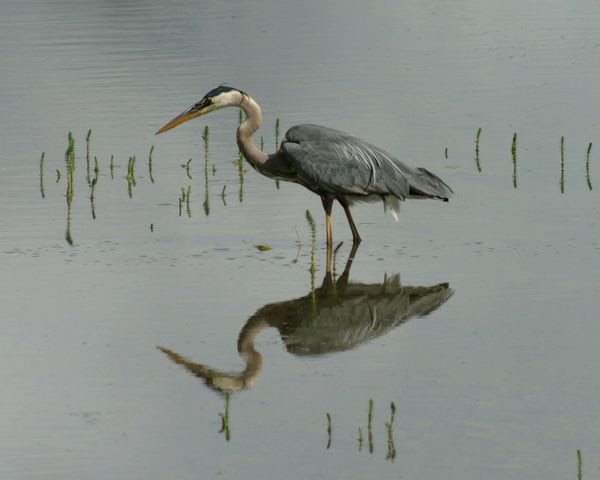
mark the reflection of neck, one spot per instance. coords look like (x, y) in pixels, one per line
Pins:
(244, 133)
(229, 382)
(247, 351)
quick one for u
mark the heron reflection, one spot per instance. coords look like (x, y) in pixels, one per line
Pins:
(337, 316)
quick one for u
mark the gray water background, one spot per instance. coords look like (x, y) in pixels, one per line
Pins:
(500, 382)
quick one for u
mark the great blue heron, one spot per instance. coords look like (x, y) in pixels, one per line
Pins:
(330, 163)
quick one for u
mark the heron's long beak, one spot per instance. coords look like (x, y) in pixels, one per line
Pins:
(200, 108)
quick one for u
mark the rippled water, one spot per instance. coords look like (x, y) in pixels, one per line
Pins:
(486, 340)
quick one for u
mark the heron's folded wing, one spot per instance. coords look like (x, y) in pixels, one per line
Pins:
(330, 161)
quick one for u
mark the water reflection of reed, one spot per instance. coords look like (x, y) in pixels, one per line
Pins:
(513, 151)
(477, 163)
(562, 165)
(70, 168)
(42, 192)
(587, 167)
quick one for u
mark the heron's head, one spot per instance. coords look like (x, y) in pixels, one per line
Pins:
(220, 97)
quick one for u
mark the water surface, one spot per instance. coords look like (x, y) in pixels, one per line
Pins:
(497, 381)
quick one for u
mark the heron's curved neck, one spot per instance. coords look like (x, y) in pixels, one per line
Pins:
(244, 133)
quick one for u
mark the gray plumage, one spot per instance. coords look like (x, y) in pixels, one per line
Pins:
(330, 163)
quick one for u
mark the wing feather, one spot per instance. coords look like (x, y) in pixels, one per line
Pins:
(329, 161)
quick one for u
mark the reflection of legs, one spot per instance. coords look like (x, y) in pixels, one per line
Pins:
(328, 205)
(343, 280)
(329, 257)
(355, 236)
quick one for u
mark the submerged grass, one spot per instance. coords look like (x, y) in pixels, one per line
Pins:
(587, 166)
(562, 164)
(391, 451)
(131, 175)
(477, 163)
(276, 145)
(70, 168)
(225, 424)
(187, 165)
(93, 188)
(88, 155)
(313, 263)
(150, 163)
(184, 199)
(112, 167)
(329, 430)
(513, 151)
(206, 203)
(42, 175)
(370, 426)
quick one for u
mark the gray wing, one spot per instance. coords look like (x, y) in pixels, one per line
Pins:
(330, 161)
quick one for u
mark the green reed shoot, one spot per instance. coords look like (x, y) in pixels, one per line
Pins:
(185, 199)
(206, 204)
(562, 164)
(579, 466)
(57, 175)
(42, 174)
(446, 153)
(370, 425)
(70, 162)
(313, 262)
(513, 151)
(477, 163)
(335, 252)
(240, 165)
(93, 187)
(92, 196)
(391, 452)
(313, 235)
(70, 153)
(131, 175)
(87, 155)
(587, 166)
(112, 167)
(360, 439)
(262, 143)
(223, 195)
(150, 163)
(276, 145)
(187, 166)
(241, 176)
(329, 430)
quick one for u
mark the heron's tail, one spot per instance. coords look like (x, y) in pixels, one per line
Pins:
(392, 203)
(427, 184)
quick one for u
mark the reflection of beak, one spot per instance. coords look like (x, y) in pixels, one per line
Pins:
(199, 109)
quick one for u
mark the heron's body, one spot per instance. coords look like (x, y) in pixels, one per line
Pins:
(330, 163)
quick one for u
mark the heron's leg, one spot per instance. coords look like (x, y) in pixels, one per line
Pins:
(355, 236)
(328, 206)
(329, 262)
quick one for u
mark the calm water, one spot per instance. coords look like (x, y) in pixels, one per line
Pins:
(486, 340)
